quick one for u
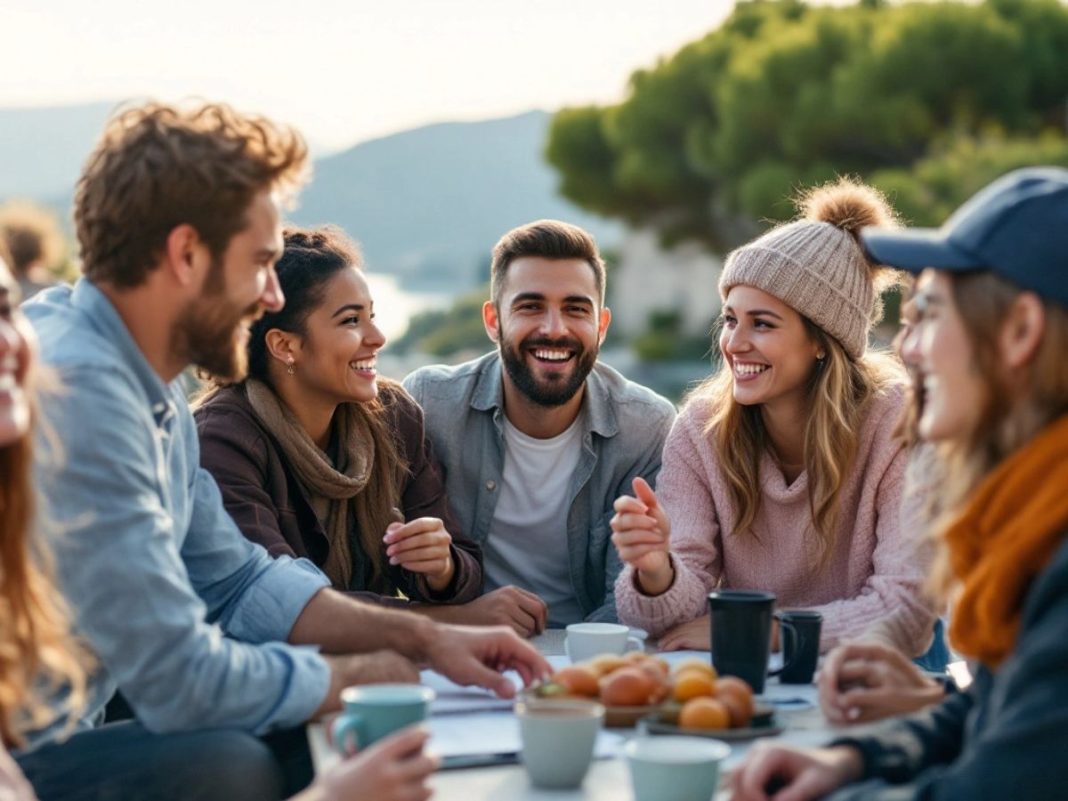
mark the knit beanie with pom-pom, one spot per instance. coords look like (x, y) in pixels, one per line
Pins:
(816, 265)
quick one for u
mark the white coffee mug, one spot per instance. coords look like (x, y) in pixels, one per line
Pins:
(587, 640)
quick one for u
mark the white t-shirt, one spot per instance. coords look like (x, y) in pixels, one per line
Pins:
(527, 544)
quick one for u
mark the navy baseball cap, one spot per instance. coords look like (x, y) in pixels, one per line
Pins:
(1016, 227)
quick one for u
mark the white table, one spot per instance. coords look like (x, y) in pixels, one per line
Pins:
(608, 779)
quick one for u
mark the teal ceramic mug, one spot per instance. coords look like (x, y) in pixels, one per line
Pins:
(373, 711)
(674, 768)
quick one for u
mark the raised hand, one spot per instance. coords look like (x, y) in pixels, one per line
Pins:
(641, 533)
(422, 546)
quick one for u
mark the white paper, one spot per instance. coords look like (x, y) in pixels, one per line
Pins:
(453, 698)
(493, 733)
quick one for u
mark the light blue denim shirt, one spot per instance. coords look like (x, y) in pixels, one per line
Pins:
(183, 613)
(624, 427)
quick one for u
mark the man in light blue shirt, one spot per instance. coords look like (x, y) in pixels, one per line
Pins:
(178, 220)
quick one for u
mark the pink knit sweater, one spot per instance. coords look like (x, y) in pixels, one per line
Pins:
(873, 571)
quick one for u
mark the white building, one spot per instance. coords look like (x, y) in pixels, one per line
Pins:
(648, 279)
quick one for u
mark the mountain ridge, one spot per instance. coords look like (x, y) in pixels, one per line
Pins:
(426, 204)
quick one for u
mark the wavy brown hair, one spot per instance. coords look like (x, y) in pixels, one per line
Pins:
(159, 166)
(983, 300)
(838, 393)
(38, 654)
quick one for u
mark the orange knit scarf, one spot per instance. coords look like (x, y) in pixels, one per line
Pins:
(1013, 524)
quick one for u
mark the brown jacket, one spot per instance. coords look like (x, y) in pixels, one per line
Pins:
(271, 508)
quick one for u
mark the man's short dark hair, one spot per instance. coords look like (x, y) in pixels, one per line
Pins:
(548, 239)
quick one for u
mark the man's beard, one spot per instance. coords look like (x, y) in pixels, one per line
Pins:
(558, 390)
(206, 335)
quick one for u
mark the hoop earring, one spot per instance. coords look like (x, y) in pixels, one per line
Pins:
(291, 367)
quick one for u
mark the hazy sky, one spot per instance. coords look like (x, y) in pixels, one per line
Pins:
(342, 71)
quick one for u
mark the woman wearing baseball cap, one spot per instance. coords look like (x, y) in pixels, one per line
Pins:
(993, 300)
(783, 472)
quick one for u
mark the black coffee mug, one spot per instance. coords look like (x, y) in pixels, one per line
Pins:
(800, 645)
(741, 634)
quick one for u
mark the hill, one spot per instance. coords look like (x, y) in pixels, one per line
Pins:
(42, 149)
(428, 204)
(425, 204)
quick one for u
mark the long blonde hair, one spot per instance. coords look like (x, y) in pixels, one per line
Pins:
(838, 397)
(38, 654)
(838, 393)
(983, 299)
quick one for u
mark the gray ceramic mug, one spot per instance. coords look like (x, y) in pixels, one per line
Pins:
(558, 739)
(674, 768)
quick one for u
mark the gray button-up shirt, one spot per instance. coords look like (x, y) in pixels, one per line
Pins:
(183, 613)
(624, 428)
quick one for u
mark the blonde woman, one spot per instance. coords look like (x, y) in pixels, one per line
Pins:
(994, 314)
(34, 638)
(782, 472)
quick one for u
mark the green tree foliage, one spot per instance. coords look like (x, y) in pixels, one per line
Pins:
(712, 141)
(664, 340)
(930, 189)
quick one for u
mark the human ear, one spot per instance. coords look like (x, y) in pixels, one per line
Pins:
(1022, 330)
(602, 324)
(283, 346)
(185, 255)
(490, 320)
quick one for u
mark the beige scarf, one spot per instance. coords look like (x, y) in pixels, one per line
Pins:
(356, 487)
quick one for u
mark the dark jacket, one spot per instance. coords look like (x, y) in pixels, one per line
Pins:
(1005, 738)
(270, 506)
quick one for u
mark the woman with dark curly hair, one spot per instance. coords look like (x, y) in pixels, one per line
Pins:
(319, 457)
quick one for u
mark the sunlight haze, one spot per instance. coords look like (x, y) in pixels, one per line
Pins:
(343, 72)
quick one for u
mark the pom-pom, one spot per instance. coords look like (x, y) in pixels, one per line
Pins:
(846, 204)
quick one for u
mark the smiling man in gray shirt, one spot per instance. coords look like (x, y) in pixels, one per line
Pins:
(539, 438)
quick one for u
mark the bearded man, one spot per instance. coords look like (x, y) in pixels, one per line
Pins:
(214, 644)
(538, 438)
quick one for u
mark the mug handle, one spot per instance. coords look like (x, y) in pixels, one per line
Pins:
(345, 731)
(784, 625)
(634, 644)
